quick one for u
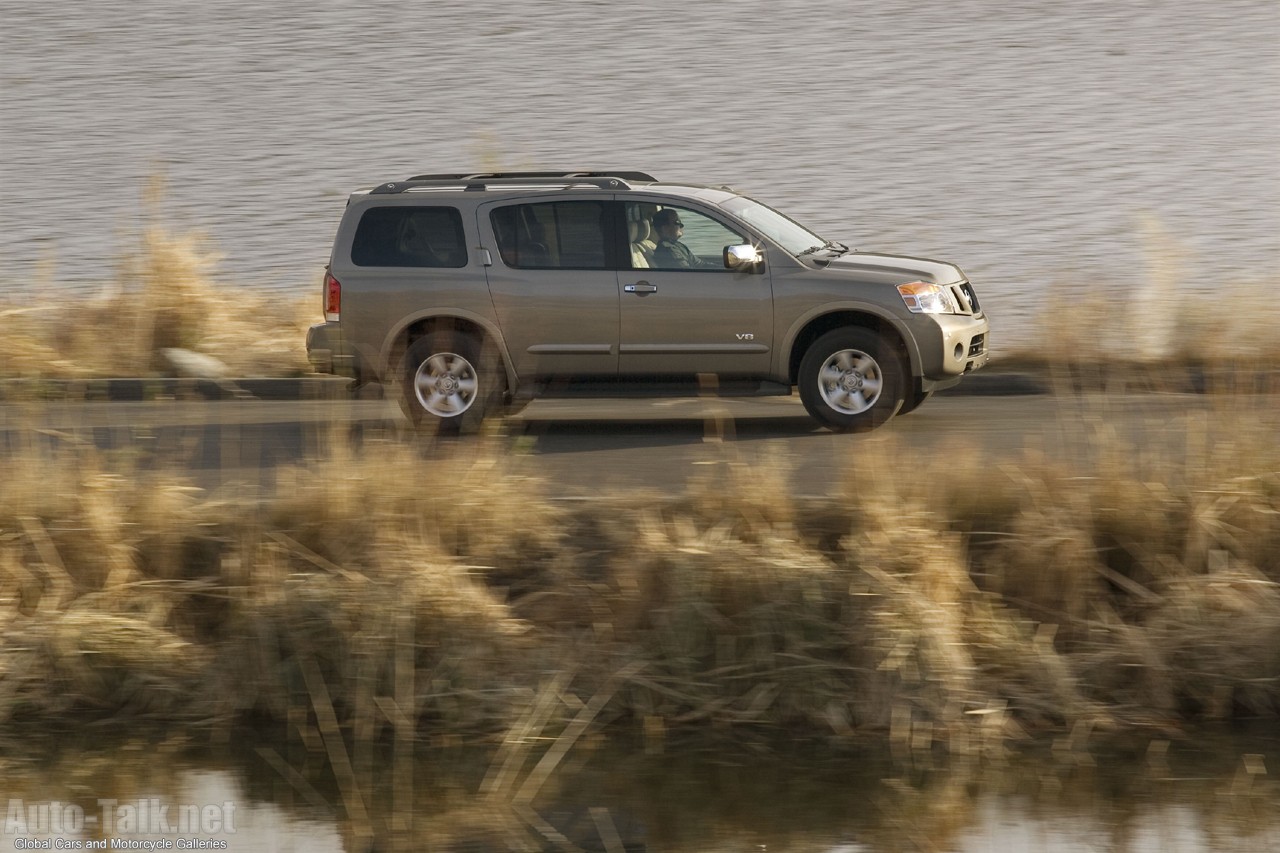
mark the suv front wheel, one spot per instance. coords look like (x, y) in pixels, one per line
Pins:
(450, 382)
(852, 380)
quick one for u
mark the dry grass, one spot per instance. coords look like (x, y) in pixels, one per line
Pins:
(1161, 336)
(165, 294)
(381, 599)
(1128, 589)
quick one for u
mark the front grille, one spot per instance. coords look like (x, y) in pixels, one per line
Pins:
(966, 298)
(976, 345)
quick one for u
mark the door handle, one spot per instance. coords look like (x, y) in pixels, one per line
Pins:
(640, 287)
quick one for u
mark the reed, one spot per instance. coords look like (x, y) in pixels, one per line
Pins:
(165, 292)
(1127, 589)
(1158, 336)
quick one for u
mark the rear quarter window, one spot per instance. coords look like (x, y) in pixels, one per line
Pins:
(399, 236)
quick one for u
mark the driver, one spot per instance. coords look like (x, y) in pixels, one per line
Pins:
(670, 252)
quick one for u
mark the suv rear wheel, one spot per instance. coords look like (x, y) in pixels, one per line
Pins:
(852, 380)
(451, 382)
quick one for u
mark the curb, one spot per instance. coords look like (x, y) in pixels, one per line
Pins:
(141, 390)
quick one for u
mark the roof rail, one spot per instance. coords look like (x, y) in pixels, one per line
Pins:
(482, 181)
(476, 176)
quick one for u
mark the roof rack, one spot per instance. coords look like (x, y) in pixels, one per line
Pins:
(481, 181)
(476, 176)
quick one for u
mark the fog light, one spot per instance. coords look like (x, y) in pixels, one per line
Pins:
(959, 352)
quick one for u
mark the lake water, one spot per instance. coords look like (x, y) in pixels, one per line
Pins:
(1201, 796)
(1034, 143)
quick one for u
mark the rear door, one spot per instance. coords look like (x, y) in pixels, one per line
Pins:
(554, 283)
(682, 312)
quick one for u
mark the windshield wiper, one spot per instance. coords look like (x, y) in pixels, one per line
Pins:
(829, 246)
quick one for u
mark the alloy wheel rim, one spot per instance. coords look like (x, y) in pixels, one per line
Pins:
(445, 384)
(850, 381)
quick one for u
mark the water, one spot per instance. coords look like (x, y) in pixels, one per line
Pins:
(1026, 142)
(1197, 797)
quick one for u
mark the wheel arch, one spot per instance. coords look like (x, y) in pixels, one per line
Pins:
(808, 329)
(416, 326)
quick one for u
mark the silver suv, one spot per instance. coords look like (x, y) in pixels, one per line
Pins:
(475, 293)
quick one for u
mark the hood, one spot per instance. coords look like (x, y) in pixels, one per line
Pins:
(911, 269)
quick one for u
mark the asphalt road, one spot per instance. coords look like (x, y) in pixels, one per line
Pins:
(583, 447)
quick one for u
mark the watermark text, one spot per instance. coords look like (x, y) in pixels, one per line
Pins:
(146, 816)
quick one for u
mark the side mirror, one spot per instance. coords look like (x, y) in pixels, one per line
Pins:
(744, 258)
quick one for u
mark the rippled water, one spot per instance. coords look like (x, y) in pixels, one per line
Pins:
(1024, 141)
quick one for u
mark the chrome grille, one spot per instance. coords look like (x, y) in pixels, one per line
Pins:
(966, 298)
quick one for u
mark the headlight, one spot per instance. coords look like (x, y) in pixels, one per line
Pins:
(922, 298)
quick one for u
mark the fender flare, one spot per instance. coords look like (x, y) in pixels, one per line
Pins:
(792, 334)
(490, 329)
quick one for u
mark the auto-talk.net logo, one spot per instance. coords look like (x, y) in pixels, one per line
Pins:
(168, 826)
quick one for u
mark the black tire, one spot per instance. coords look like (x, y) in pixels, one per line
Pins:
(852, 380)
(451, 382)
(914, 401)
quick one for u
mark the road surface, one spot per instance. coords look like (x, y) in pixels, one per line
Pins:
(582, 447)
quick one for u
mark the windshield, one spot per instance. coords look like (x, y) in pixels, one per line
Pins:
(787, 233)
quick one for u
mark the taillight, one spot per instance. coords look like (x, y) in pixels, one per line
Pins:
(332, 298)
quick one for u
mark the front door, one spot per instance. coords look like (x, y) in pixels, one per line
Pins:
(682, 312)
(554, 284)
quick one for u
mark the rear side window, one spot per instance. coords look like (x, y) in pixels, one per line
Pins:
(409, 237)
(552, 235)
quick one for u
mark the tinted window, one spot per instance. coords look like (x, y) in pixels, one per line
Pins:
(409, 237)
(552, 235)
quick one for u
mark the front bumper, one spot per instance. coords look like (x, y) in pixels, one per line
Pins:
(961, 344)
(328, 351)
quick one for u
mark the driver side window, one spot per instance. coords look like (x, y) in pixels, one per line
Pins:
(674, 238)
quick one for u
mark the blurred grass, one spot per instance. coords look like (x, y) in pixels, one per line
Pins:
(955, 608)
(1160, 336)
(164, 293)
(402, 594)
